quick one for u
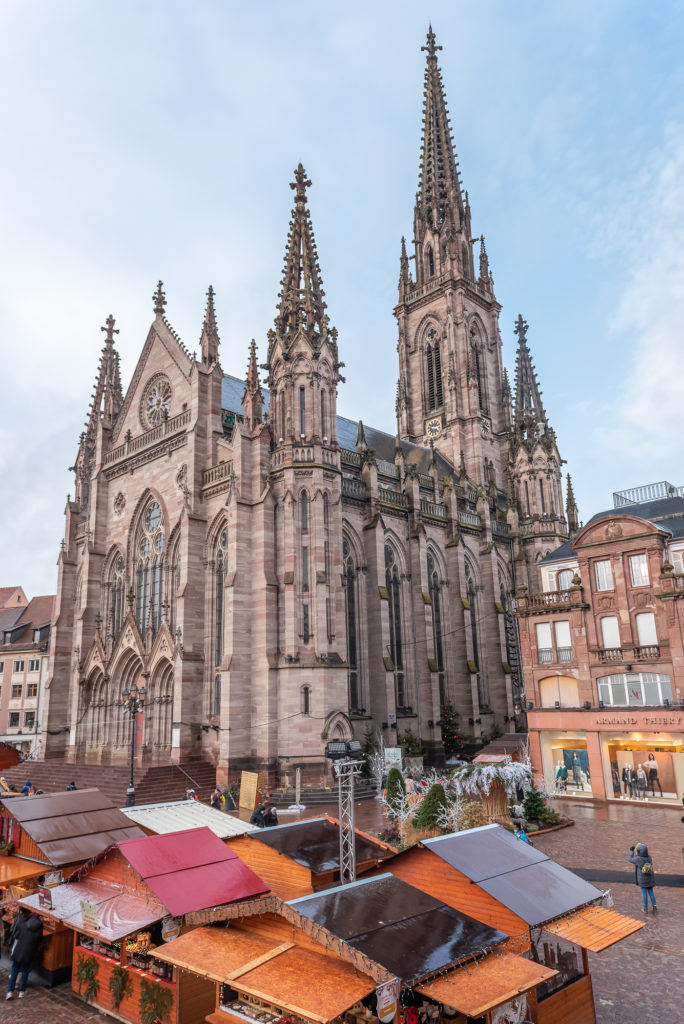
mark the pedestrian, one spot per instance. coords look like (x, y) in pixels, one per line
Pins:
(190, 794)
(25, 938)
(270, 817)
(216, 799)
(643, 870)
(26, 787)
(520, 833)
(258, 816)
(71, 787)
(652, 766)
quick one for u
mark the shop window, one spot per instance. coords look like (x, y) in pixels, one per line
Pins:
(638, 570)
(635, 689)
(603, 575)
(544, 646)
(563, 642)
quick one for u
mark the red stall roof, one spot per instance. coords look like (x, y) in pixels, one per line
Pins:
(191, 870)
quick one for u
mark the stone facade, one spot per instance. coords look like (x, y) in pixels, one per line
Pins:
(602, 648)
(276, 575)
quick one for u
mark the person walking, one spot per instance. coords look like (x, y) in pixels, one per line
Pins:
(25, 938)
(643, 870)
(652, 766)
(216, 799)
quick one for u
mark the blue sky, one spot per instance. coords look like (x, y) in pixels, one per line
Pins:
(147, 140)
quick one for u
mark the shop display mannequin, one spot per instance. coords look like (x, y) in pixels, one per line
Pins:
(627, 780)
(652, 768)
(577, 771)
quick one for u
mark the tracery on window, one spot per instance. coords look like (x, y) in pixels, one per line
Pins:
(434, 589)
(393, 586)
(471, 589)
(349, 580)
(117, 593)
(221, 562)
(150, 569)
(433, 371)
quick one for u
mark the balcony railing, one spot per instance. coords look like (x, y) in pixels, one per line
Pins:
(432, 508)
(395, 499)
(549, 598)
(501, 529)
(564, 654)
(353, 488)
(651, 652)
(610, 654)
(217, 473)
(134, 444)
(388, 469)
(545, 656)
(469, 519)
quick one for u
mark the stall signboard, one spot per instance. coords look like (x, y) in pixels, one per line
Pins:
(387, 1000)
(44, 898)
(89, 916)
(171, 928)
(393, 757)
(249, 783)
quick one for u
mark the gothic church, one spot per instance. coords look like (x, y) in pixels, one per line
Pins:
(276, 575)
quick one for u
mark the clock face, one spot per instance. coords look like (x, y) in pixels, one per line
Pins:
(486, 426)
(433, 427)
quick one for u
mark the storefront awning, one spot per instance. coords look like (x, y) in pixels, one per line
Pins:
(594, 928)
(16, 869)
(476, 988)
(300, 981)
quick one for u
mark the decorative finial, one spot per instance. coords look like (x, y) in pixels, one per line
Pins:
(521, 327)
(300, 184)
(431, 45)
(110, 329)
(159, 299)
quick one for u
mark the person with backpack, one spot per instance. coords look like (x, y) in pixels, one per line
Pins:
(25, 938)
(644, 874)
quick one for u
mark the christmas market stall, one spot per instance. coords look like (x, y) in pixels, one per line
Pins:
(552, 916)
(180, 815)
(49, 836)
(126, 903)
(304, 856)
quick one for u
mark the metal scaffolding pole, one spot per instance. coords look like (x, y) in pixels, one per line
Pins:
(346, 772)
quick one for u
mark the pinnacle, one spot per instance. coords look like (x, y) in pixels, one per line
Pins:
(529, 410)
(439, 189)
(159, 299)
(110, 329)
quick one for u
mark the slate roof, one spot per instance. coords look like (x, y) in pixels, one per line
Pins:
(38, 612)
(315, 844)
(406, 931)
(666, 514)
(382, 443)
(6, 593)
(519, 876)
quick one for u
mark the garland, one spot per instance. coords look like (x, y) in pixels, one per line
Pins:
(86, 975)
(120, 985)
(155, 1002)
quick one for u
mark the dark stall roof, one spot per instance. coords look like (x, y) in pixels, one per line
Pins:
(382, 443)
(406, 931)
(315, 844)
(73, 826)
(191, 870)
(521, 878)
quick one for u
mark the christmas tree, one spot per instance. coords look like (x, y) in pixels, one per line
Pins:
(428, 815)
(396, 790)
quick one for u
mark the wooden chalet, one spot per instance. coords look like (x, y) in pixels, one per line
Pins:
(52, 835)
(120, 908)
(304, 856)
(180, 815)
(348, 954)
(549, 913)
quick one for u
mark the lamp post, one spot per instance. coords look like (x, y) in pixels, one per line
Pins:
(134, 704)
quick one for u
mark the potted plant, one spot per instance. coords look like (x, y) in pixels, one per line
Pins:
(6, 848)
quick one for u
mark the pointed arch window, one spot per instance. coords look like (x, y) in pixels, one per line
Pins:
(351, 610)
(430, 261)
(150, 569)
(433, 371)
(117, 595)
(304, 512)
(541, 495)
(306, 700)
(221, 566)
(393, 586)
(471, 588)
(217, 695)
(434, 589)
(324, 418)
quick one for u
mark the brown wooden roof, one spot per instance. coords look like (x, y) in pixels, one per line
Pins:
(594, 928)
(477, 988)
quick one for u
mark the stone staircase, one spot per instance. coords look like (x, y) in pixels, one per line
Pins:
(152, 785)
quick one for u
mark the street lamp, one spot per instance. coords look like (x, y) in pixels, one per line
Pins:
(134, 703)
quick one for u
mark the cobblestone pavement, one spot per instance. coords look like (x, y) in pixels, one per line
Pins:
(637, 981)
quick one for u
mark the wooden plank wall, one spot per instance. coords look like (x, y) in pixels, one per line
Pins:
(128, 1009)
(284, 876)
(573, 1003)
(425, 870)
(196, 998)
(26, 846)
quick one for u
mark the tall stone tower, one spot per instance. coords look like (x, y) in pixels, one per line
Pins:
(450, 368)
(535, 466)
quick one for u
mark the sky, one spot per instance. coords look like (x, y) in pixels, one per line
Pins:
(147, 139)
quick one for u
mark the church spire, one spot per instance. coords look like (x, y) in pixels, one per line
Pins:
(439, 188)
(571, 508)
(252, 400)
(301, 298)
(529, 409)
(209, 340)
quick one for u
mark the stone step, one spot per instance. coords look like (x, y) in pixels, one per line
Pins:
(319, 795)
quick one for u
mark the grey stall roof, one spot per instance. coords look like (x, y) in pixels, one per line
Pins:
(73, 826)
(315, 843)
(399, 927)
(523, 879)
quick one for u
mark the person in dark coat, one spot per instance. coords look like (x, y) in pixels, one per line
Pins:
(270, 817)
(643, 870)
(25, 938)
(258, 818)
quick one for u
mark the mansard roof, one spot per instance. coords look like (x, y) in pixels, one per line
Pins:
(382, 443)
(666, 514)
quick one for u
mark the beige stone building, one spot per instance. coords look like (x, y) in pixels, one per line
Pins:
(276, 575)
(24, 665)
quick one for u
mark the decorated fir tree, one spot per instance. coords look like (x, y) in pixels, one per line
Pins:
(396, 790)
(534, 805)
(450, 737)
(428, 815)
